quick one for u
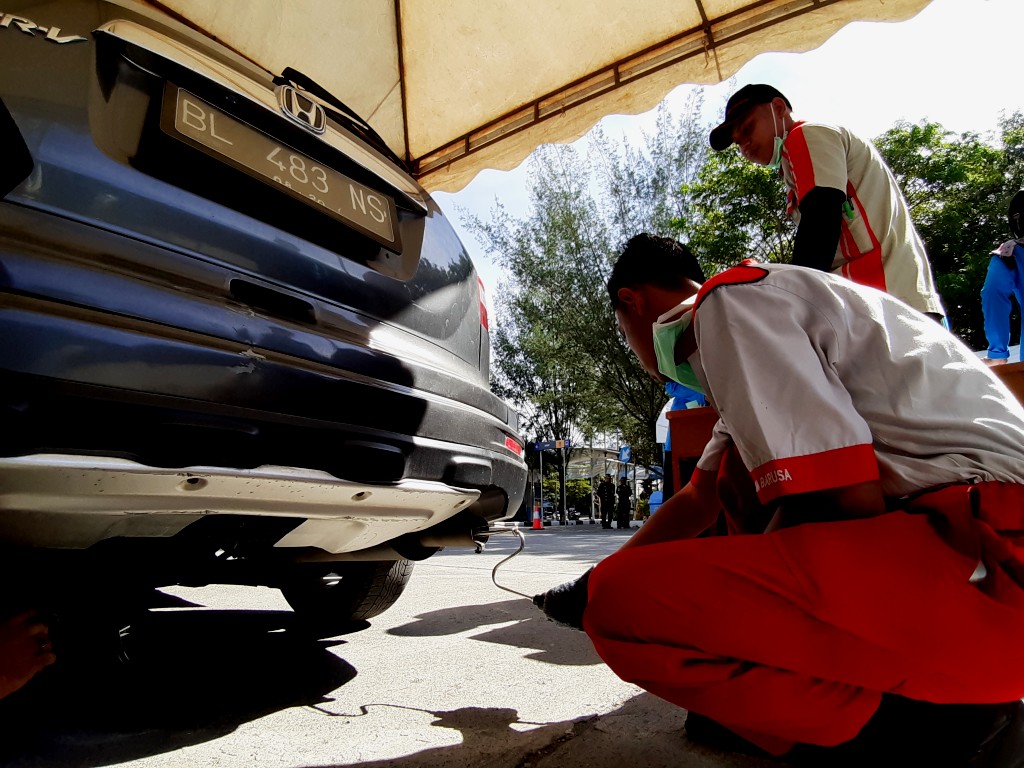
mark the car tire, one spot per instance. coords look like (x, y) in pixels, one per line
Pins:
(338, 595)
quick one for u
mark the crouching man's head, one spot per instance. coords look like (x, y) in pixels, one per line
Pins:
(652, 276)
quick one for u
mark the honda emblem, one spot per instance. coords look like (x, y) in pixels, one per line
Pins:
(301, 109)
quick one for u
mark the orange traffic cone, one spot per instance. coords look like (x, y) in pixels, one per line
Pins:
(537, 524)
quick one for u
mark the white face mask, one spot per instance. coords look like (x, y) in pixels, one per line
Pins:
(776, 160)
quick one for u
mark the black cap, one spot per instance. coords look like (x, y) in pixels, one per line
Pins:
(737, 107)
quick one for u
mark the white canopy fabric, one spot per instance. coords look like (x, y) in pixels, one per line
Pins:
(456, 86)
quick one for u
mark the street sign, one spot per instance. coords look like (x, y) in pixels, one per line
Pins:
(550, 445)
(625, 454)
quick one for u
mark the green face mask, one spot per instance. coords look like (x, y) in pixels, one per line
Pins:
(776, 161)
(666, 334)
(779, 141)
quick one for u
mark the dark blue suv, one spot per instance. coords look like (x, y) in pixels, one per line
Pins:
(238, 342)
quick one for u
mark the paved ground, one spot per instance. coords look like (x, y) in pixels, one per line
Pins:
(457, 674)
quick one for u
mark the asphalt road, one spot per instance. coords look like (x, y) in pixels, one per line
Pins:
(458, 673)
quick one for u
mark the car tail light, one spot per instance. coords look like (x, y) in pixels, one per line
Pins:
(481, 293)
(514, 446)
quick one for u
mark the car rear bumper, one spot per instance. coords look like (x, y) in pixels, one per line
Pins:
(74, 502)
(109, 353)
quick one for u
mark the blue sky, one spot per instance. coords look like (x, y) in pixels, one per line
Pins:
(958, 63)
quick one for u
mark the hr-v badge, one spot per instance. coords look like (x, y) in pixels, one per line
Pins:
(31, 28)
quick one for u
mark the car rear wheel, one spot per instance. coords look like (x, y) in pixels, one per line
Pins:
(337, 595)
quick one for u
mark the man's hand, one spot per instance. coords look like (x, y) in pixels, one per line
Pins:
(566, 602)
(991, 362)
(24, 650)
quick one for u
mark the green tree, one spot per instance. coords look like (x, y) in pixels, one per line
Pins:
(537, 366)
(736, 211)
(643, 189)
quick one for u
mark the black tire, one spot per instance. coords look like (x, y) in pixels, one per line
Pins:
(340, 594)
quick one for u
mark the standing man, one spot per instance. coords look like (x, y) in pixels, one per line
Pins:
(622, 511)
(851, 216)
(606, 493)
(1005, 279)
(872, 614)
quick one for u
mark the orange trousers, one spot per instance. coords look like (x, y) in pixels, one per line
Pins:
(793, 636)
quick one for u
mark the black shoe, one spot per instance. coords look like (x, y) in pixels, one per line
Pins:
(904, 733)
(566, 602)
(1004, 746)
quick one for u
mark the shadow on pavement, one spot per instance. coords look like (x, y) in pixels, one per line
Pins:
(644, 731)
(554, 643)
(487, 736)
(191, 676)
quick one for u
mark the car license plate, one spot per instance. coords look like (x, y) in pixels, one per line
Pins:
(242, 146)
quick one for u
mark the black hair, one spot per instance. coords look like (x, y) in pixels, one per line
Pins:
(1016, 214)
(649, 259)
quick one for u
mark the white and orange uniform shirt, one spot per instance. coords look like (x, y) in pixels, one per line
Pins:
(821, 383)
(878, 245)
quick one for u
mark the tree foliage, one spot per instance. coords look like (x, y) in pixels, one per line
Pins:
(577, 493)
(737, 211)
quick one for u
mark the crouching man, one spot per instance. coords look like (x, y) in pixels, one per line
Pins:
(867, 607)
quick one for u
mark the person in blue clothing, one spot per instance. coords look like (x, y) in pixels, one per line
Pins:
(682, 396)
(1005, 278)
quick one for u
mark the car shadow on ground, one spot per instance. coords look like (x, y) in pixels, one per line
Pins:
(189, 677)
(554, 643)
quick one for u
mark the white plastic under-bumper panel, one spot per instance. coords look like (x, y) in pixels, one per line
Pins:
(53, 500)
